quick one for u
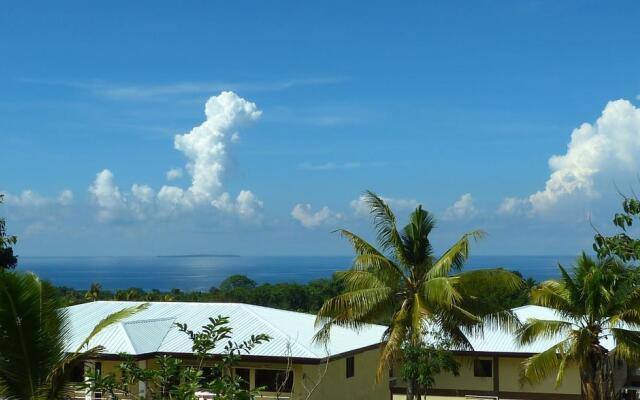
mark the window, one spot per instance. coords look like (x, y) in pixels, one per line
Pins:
(483, 368)
(77, 373)
(273, 380)
(351, 367)
(245, 375)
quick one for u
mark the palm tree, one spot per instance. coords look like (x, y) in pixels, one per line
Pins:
(599, 299)
(94, 292)
(34, 330)
(406, 285)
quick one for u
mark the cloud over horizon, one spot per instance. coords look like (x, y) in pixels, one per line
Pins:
(206, 149)
(596, 154)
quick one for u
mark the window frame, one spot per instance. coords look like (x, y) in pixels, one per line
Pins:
(480, 370)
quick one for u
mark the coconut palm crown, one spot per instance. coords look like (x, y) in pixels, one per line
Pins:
(34, 329)
(598, 301)
(404, 284)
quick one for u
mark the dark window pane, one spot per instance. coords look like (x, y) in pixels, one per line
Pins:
(244, 374)
(483, 368)
(273, 380)
(351, 367)
(209, 374)
(77, 373)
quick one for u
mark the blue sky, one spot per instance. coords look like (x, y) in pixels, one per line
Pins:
(459, 106)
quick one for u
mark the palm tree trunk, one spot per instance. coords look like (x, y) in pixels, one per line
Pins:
(412, 390)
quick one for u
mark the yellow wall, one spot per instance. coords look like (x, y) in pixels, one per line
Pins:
(335, 384)
(330, 378)
(509, 380)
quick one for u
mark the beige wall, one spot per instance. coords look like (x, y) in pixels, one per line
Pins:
(509, 369)
(329, 380)
(335, 384)
(510, 379)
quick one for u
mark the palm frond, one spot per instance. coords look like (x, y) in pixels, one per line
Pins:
(539, 366)
(384, 222)
(627, 344)
(534, 329)
(110, 320)
(441, 291)
(455, 257)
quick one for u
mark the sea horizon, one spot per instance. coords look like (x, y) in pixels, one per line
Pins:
(201, 272)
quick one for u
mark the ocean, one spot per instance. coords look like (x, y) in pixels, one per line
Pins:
(202, 272)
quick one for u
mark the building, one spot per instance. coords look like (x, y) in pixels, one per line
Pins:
(493, 369)
(344, 369)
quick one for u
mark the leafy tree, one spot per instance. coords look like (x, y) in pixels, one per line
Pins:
(172, 380)
(93, 293)
(237, 282)
(34, 363)
(7, 259)
(598, 299)
(423, 361)
(405, 283)
(621, 245)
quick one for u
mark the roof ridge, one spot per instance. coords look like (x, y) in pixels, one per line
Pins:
(127, 338)
(247, 307)
(140, 321)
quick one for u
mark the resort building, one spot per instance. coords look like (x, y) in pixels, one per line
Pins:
(493, 369)
(343, 369)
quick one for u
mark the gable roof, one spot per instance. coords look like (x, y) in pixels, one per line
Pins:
(153, 330)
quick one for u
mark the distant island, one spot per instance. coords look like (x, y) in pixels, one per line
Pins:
(200, 255)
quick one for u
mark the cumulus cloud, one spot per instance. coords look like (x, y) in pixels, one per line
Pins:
(609, 147)
(174, 173)
(206, 148)
(462, 208)
(361, 208)
(304, 214)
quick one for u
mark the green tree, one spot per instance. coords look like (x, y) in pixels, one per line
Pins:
(598, 299)
(621, 245)
(7, 259)
(423, 361)
(406, 284)
(237, 282)
(93, 293)
(34, 363)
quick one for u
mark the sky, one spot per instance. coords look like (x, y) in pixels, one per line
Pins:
(253, 128)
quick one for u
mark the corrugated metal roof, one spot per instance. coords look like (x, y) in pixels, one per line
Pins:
(153, 330)
(496, 340)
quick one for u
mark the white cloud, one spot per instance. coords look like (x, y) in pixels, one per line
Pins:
(514, 206)
(610, 147)
(107, 195)
(206, 148)
(31, 199)
(361, 208)
(309, 219)
(462, 208)
(174, 173)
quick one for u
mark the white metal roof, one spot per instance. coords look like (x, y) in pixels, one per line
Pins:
(502, 341)
(153, 330)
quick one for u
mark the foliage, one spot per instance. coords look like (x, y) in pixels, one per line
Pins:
(237, 282)
(288, 296)
(598, 299)
(34, 363)
(173, 380)
(403, 282)
(621, 245)
(423, 361)
(7, 259)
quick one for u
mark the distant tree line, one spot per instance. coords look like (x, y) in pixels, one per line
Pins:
(303, 297)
